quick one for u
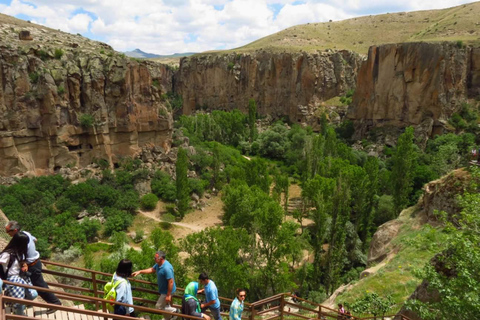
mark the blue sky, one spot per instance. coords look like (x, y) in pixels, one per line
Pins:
(170, 26)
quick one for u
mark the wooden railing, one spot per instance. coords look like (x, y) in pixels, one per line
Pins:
(279, 306)
(102, 312)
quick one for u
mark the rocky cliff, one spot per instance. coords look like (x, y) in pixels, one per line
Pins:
(66, 101)
(282, 84)
(419, 84)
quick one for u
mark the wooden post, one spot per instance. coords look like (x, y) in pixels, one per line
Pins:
(282, 306)
(2, 306)
(252, 313)
(319, 312)
(95, 290)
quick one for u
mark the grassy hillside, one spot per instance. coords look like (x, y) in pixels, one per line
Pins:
(358, 34)
(413, 247)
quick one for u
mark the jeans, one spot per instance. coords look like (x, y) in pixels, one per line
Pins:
(215, 313)
(37, 280)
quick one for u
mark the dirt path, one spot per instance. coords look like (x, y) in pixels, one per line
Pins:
(197, 220)
(194, 221)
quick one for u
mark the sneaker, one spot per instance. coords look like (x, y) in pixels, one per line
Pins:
(50, 310)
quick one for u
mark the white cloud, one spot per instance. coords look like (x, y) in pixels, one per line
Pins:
(168, 26)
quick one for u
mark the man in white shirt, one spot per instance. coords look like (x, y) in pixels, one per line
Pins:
(34, 264)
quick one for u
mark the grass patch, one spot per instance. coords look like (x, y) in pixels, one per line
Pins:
(415, 246)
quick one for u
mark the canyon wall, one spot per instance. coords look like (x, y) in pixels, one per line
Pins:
(74, 101)
(418, 84)
(282, 84)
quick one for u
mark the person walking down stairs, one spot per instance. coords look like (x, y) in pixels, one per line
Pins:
(34, 265)
(165, 282)
(190, 303)
(236, 308)
(12, 260)
(124, 288)
(211, 296)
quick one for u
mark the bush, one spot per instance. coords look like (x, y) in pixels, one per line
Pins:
(148, 202)
(230, 66)
(34, 77)
(164, 187)
(61, 90)
(58, 54)
(86, 120)
(385, 210)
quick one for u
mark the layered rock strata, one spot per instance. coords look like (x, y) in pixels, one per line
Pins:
(414, 84)
(282, 84)
(69, 104)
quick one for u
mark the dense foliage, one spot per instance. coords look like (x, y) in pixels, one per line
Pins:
(345, 193)
(454, 274)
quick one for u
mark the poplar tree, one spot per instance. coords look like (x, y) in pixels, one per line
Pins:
(183, 192)
(252, 118)
(404, 160)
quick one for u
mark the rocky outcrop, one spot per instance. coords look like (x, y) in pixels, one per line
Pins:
(441, 195)
(66, 100)
(419, 84)
(282, 84)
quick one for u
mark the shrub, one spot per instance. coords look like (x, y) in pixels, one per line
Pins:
(43, 55)
(230, 65)
(86, 120)
(34, 77)
(460, 44)
(58, 54)
(148, 202)
(156, 84)
(164, 187)
(60, 90)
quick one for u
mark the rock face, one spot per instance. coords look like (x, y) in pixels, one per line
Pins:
(65, 104)
(417, 84)
(282, 84)
(441, 195)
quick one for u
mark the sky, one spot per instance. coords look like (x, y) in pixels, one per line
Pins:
(177, 26)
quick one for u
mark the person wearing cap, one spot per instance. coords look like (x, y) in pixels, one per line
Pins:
(165, 282)
(34, 264)
(190, 303)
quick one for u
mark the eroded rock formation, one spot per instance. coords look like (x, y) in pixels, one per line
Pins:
(66, 100)
(282, 84)
(419, 84)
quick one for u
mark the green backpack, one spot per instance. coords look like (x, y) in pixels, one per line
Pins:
(110, 293)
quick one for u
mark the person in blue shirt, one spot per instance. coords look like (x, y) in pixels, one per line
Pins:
(123, 289)
(236, 308)
(165, 282)
(211, 296)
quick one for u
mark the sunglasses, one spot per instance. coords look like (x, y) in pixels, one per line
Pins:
(241, 295)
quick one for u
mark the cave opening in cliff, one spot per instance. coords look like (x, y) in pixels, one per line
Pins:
(74, 148)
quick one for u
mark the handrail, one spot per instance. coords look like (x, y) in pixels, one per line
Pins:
(82, 298)
(323, 311)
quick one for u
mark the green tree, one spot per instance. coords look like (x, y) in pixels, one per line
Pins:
(318, 192)
(183, 191)
(149, 201)
(220, 252)
(365, 221)
(372, 303)
(336, 250)
(403, 168)
(252, 119)
(454, 275)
